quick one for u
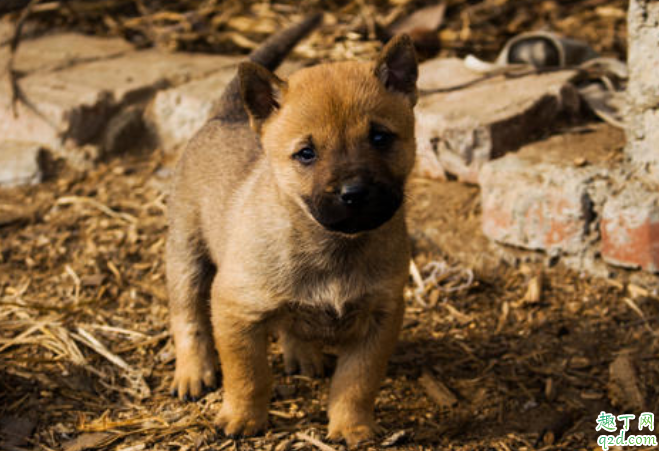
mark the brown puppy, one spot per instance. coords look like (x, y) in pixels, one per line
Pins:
(290, 220)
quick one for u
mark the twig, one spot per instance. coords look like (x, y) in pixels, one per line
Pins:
(16, 93)
(133, 376)
(439, 393)
(67, 200)
(88, 339)
(418, 281)
(314, 441)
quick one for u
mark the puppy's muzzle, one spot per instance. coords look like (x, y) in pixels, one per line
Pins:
(356, 205)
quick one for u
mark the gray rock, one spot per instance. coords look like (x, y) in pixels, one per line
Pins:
(72, 105)
(445, 74)
(467, 127)
(174, 115)
(21, 163)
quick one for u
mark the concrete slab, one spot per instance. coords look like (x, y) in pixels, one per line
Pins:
(466, 128)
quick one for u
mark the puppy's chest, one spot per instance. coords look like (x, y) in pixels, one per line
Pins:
(325, 324)
(327, 283)
(326, 302)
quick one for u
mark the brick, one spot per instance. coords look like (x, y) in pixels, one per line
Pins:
(539, 199)
(20, 163)
(73, 104)
(630, 227)
(468, 127)
(174, 115)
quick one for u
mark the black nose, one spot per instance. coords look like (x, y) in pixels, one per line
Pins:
(354, 193)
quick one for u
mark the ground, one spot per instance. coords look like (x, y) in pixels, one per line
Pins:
(85, 350)
(498, 351)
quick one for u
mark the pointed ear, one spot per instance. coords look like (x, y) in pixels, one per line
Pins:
(397, 68)
(261, 91)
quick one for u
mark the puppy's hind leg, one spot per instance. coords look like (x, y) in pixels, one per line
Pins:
(301, 356)
(189, 276)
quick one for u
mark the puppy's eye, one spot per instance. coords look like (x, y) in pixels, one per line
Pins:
(305, 156)
(381, 139)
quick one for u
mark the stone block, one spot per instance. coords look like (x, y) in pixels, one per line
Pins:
(468, 127)
(174, 115)
(73, 105)
(541, 197)
(21, 163)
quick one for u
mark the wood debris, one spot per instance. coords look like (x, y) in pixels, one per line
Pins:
(437, 390)
(625, 389)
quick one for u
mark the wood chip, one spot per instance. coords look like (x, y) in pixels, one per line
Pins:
(437, 390)
(394, 438)
(624, 387)
(636, 291)
(91, 440)
(315, 442)
(580, 162)
(534, 291)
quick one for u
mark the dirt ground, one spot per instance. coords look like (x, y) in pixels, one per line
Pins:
(496, 353)
(86, 358)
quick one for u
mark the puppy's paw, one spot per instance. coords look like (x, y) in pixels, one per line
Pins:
(303, 357)
(353, 433)
(193, 377)
(237, 422)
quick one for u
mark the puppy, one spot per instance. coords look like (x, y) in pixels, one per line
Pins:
(286, 211)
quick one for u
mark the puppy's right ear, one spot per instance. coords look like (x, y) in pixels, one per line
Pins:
(261, 91)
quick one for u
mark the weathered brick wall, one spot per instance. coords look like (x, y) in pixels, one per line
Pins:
(643, 90)
(602, 212)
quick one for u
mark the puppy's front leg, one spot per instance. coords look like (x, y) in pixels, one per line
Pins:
(242, 345)
(360, 368)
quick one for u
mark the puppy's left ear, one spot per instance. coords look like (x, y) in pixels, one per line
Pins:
(397, 68)
(261, 91)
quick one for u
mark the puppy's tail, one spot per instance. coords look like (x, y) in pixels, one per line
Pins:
(269, 55)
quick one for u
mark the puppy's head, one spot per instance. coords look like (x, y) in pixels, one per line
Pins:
(339, 137)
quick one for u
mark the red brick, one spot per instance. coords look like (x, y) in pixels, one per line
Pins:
(630, 228)
(538, 199)
(534, 213)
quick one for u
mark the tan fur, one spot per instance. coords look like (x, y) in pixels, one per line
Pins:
(241, 235)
